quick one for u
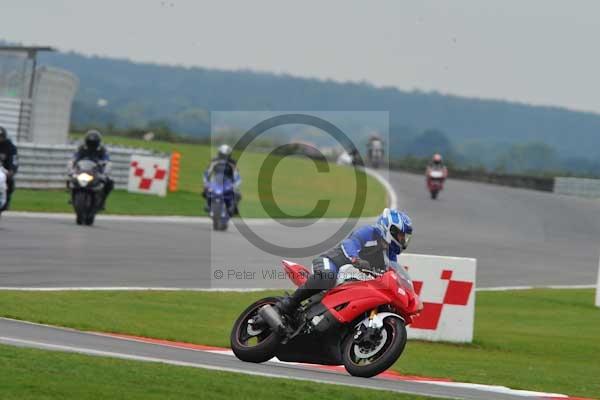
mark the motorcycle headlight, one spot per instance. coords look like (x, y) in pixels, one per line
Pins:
(84, 179)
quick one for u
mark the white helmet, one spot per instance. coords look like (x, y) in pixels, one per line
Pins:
(391, 223)
(224, 150)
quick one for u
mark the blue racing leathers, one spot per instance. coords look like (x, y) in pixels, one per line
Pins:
(364, 243)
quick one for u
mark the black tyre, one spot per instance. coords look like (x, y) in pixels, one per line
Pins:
(434, 194)
(254, 344)
(217, 216)
(89, 221)
(359, 361)
(82, 204)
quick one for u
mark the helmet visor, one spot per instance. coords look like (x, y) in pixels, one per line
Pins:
(399, 236)
(92, 144)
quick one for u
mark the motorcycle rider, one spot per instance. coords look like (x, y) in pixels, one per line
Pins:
(371, 247)
(375, 150)
(92, 149)
(437, 163)
(224, 164)
(10, 162)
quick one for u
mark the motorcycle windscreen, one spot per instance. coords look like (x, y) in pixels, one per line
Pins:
(86, 166)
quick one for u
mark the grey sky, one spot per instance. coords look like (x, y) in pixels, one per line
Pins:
(541, 52)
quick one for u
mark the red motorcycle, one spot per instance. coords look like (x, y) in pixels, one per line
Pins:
(359, 323)
(435, 181)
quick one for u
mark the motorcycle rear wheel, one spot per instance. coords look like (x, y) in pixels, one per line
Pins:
(243, 333)
(383, 358)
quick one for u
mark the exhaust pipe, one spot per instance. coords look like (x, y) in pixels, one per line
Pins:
(270, 315)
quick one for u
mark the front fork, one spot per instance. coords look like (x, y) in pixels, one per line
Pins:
(372, 316)
(364, 333)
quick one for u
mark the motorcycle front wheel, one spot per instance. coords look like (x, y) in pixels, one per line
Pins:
(83, 203)
(217, 208)
(369, 359)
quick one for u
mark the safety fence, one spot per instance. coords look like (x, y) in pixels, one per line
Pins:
(581, 187)
(44, 166)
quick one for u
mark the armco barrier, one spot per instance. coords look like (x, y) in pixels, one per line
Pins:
(581, 187)
(44, 166)
(446, 286)
(543, 184)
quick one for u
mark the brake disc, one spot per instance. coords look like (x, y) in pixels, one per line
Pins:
(252, 331)
(361, 352)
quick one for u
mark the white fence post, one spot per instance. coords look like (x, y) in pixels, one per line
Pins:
(598, 287)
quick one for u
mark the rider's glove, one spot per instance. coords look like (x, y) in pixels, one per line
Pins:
(360, 263)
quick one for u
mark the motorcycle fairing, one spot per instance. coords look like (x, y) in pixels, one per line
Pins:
(313, 349)
(296, 272)
(348, 301)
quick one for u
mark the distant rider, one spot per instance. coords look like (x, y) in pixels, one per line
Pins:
(10, 162)
(371, 247)
(224, 164)
(92, 149)
(436, 164)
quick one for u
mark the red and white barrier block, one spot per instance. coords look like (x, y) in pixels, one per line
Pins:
(148, 175)
(446, 286)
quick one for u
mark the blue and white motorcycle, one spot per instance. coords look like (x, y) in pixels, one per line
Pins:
(220, 195)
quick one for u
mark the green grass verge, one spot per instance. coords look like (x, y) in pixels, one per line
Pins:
(121, 202)
(537, 339)
(39, 374)
(297, 187)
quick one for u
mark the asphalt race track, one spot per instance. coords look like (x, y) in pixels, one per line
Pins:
(39, 336)
(519, 237)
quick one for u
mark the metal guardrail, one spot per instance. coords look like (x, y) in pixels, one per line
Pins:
(43, 166)
(581, 187)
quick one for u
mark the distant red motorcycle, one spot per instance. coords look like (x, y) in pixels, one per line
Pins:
(359, 323)
(435, 181)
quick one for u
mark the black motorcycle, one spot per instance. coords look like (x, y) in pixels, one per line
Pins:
(87, 190)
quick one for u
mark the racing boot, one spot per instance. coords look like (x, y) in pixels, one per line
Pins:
(238, 197)
(313, 285)
(102, 205)
(207, 202)
(286, 306)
